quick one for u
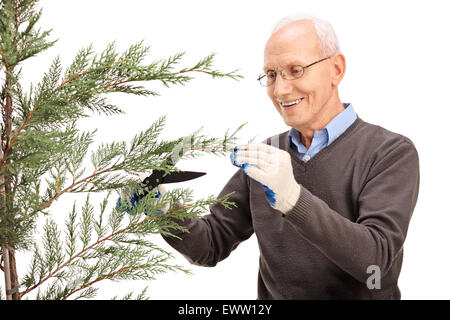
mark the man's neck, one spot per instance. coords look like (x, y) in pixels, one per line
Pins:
(307, 133)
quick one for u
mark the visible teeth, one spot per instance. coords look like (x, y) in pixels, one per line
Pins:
(284, 104)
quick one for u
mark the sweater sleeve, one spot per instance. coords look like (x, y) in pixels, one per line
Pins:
(212, 238)
(386, 203)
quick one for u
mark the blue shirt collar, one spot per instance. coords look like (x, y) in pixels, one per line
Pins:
(332, 130)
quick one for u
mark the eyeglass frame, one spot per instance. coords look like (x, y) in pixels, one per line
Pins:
(261, 76)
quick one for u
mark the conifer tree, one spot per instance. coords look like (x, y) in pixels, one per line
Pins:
(43, 157)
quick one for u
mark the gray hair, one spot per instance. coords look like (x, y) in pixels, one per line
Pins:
(327, 37)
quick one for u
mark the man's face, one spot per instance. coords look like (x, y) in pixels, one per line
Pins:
(297, 44)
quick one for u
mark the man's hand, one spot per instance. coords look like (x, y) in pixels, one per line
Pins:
(130, 200)
(273, 169)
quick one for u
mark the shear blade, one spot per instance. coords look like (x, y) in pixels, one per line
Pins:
(182, 176)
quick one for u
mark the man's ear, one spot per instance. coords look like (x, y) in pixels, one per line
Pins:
(339, 67)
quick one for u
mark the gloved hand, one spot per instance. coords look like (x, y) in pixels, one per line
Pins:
(273, 169)
(130, 200)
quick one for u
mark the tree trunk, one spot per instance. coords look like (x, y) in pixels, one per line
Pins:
(9, 254)
(9, 268)
(5, 250)
(13, 274)
(6, 270)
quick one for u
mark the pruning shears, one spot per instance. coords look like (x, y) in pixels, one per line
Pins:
(156, 178)
(161, 177)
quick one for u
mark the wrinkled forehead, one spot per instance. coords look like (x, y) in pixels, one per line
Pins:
(282, 61)
(295, 43)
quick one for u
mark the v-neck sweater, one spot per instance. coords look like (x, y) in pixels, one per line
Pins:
(350, 221)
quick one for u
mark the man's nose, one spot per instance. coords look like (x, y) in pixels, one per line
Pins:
(282, 87)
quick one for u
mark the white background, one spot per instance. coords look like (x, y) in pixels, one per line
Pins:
(397, 77)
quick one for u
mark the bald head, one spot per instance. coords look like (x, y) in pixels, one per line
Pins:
(295, 27)
(299, 36)
(328, 40)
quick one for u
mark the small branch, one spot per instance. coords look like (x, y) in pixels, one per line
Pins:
(193, 70)
(2, 54)
(213, 73)
(57, 195)
(30, 115)
(57, 184)
(117, 83)
(16, 20)
(96, 280)
(8, 149)
(179, 72)
(81, 74)
(17, 14)
(73, 78)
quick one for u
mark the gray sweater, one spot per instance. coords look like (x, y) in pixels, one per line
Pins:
(356, 201)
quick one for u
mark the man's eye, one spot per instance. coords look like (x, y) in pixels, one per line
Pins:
(271, 75)
(296, 69)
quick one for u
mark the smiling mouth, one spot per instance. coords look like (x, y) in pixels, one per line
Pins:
(290, 104)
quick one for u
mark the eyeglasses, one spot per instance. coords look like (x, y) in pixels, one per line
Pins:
(291, 73)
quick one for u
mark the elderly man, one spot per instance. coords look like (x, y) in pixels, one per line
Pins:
(329, 200)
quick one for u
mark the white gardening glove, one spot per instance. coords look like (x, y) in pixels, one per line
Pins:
(273, 169)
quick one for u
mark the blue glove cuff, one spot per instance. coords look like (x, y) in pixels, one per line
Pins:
(233, 161)
(270, 194)
(134, 200)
